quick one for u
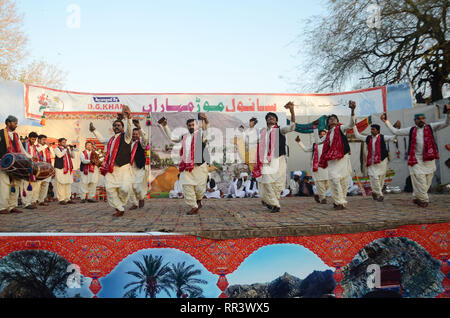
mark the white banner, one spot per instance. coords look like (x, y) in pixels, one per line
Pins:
(41, 99)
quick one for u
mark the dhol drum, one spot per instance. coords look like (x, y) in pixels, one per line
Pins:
(42, 170)
(17, 166)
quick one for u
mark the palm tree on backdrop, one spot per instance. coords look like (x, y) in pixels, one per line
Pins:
(182, 280)
(152, 277)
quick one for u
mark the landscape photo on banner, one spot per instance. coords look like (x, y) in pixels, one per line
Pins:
(370, 101)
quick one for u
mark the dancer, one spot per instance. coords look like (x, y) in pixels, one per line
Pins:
(116, 167)
(377, 158)
(336, 157)
(423, 152)
(270, 168)
(194, 159)
(138, 166)
(319, 174)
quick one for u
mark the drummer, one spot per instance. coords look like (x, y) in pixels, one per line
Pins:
(45, 155)
(9, 189)
(30, 188)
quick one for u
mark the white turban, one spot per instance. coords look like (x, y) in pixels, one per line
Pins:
(298, 173)
(244, 174)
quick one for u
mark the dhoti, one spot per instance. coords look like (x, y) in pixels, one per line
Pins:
(118, 186)
(8, 199)
(194, 184)
(273, 180)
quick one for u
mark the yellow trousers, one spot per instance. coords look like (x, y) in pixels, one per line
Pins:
(193, 193)
(377, 184)
(63, 191)
(8, 199)
(339, 189)
(321, 188)
(421, 184)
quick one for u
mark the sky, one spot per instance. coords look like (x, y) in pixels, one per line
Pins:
(159, 46)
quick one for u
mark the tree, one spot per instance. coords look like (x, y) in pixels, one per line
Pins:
(13, 52)
(31, 273)
(43, 74)
(409, 44)
(183, 282)
(12, 40)
(152, 277)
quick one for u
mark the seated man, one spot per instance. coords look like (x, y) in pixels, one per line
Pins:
(212, 192)
(177, 192)
(294, 184)
(305, 189)
(240, 185)
(251, 188)
(231, 193)
(352, 188)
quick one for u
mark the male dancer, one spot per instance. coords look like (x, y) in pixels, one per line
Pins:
(336, 157)
(377, 158)
(194, 159)
(423, 152)
(138, 166)
(116, 167)
(270, 168)
(320, 175)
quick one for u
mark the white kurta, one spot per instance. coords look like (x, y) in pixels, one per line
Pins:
(212, 195)
(252, 191)
(177, 188)
(294, 187)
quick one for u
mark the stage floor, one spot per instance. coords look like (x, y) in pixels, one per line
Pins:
(232, 218)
